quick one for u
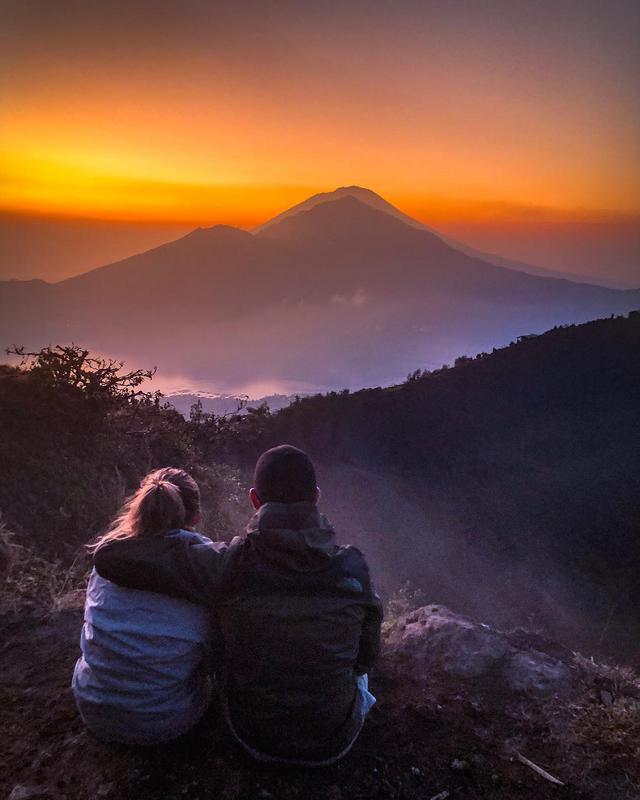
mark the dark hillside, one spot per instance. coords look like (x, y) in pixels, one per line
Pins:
(510, 482)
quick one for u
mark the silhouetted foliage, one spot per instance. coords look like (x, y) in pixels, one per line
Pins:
(78, 433)
(73, 367)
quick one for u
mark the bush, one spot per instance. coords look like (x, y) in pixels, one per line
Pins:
(32, 582)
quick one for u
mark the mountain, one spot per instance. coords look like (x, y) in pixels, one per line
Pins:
(337, 292)
(375, 201)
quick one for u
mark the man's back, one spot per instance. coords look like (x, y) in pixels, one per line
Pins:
(292, 630)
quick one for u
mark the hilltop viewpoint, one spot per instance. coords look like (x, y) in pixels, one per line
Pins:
(505, 549)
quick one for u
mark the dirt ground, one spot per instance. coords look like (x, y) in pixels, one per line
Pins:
(413, 747)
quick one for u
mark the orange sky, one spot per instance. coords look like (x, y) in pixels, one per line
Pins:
(195, 113)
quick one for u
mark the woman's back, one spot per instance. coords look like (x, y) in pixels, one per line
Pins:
(143, 673)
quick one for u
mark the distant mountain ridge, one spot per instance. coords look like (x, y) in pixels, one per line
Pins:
(222, 405)
(342, 290)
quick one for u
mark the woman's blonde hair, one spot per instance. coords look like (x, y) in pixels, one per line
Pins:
(168, 499)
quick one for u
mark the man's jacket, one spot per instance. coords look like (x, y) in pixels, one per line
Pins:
(299, 620)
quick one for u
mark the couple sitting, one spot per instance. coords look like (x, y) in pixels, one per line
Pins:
(285, 619)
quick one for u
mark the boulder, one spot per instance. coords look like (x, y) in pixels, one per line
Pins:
(433, 641)
(536, 673)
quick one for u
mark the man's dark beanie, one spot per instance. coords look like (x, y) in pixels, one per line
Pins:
(285, 474)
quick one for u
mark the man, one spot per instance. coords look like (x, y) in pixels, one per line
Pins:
(298, 615)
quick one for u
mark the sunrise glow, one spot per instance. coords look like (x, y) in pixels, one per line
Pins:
(191, 114)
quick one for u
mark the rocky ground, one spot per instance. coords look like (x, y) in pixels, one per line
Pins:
(460, 707)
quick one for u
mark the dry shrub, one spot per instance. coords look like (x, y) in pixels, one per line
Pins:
(605, 739)
(602, 734)
(619, 681)
(32, 582)
(406, 599)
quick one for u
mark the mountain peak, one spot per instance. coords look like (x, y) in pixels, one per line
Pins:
(221, 231)
(344, 217)
(362, 194)
(359, 192)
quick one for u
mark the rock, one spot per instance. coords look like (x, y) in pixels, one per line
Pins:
(435, 638)
(459, 765)
(434, 641)
(536, 673)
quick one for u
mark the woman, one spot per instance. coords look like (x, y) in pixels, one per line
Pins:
(143, 674)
